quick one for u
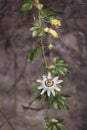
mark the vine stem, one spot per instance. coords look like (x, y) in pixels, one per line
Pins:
(39, 16)
(47, 112)
(43, 52)
(51, 57)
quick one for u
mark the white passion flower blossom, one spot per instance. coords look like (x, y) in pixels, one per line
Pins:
(49, 84)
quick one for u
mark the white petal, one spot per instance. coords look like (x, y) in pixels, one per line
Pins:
(53, 92)
(55, 79)
(43, 85)
(38, 80)
(59, 81)
(58, 89)
(44, 77)
(49, 76)
(48, 93)
(43, 91)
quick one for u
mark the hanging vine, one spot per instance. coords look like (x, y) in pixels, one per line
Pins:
(49, 85)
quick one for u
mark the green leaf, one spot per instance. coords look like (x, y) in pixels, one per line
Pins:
(39, 97)
(60, 102)
(34, 28)
(62, 63)
(60, 67)
(55, 105)
(62, 127)
(66, 107)
(59, 62)
(27, 6)
(35, 89)
(49, 14)
(65, 96)
(48, 100)
(37, 30)
(49, 125)
(63, 71)
(58, 128)
(34, 34)
(55, 60)
(34, 52)
(55, 72)
(60, 120)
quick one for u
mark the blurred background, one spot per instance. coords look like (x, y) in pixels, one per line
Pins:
(17, 75)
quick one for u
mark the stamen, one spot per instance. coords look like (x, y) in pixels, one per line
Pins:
(49, 82)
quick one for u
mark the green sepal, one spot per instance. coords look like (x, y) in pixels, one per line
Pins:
(35, 89)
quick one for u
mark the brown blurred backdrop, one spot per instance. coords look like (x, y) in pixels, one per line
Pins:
(17, 75)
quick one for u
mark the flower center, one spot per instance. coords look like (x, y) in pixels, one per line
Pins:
(49, 82)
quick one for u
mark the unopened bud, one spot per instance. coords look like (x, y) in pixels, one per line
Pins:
(54, 121)
(50, 46)
(50, 67)
(40, 6)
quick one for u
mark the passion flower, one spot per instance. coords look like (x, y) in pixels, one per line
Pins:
(49, 84)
